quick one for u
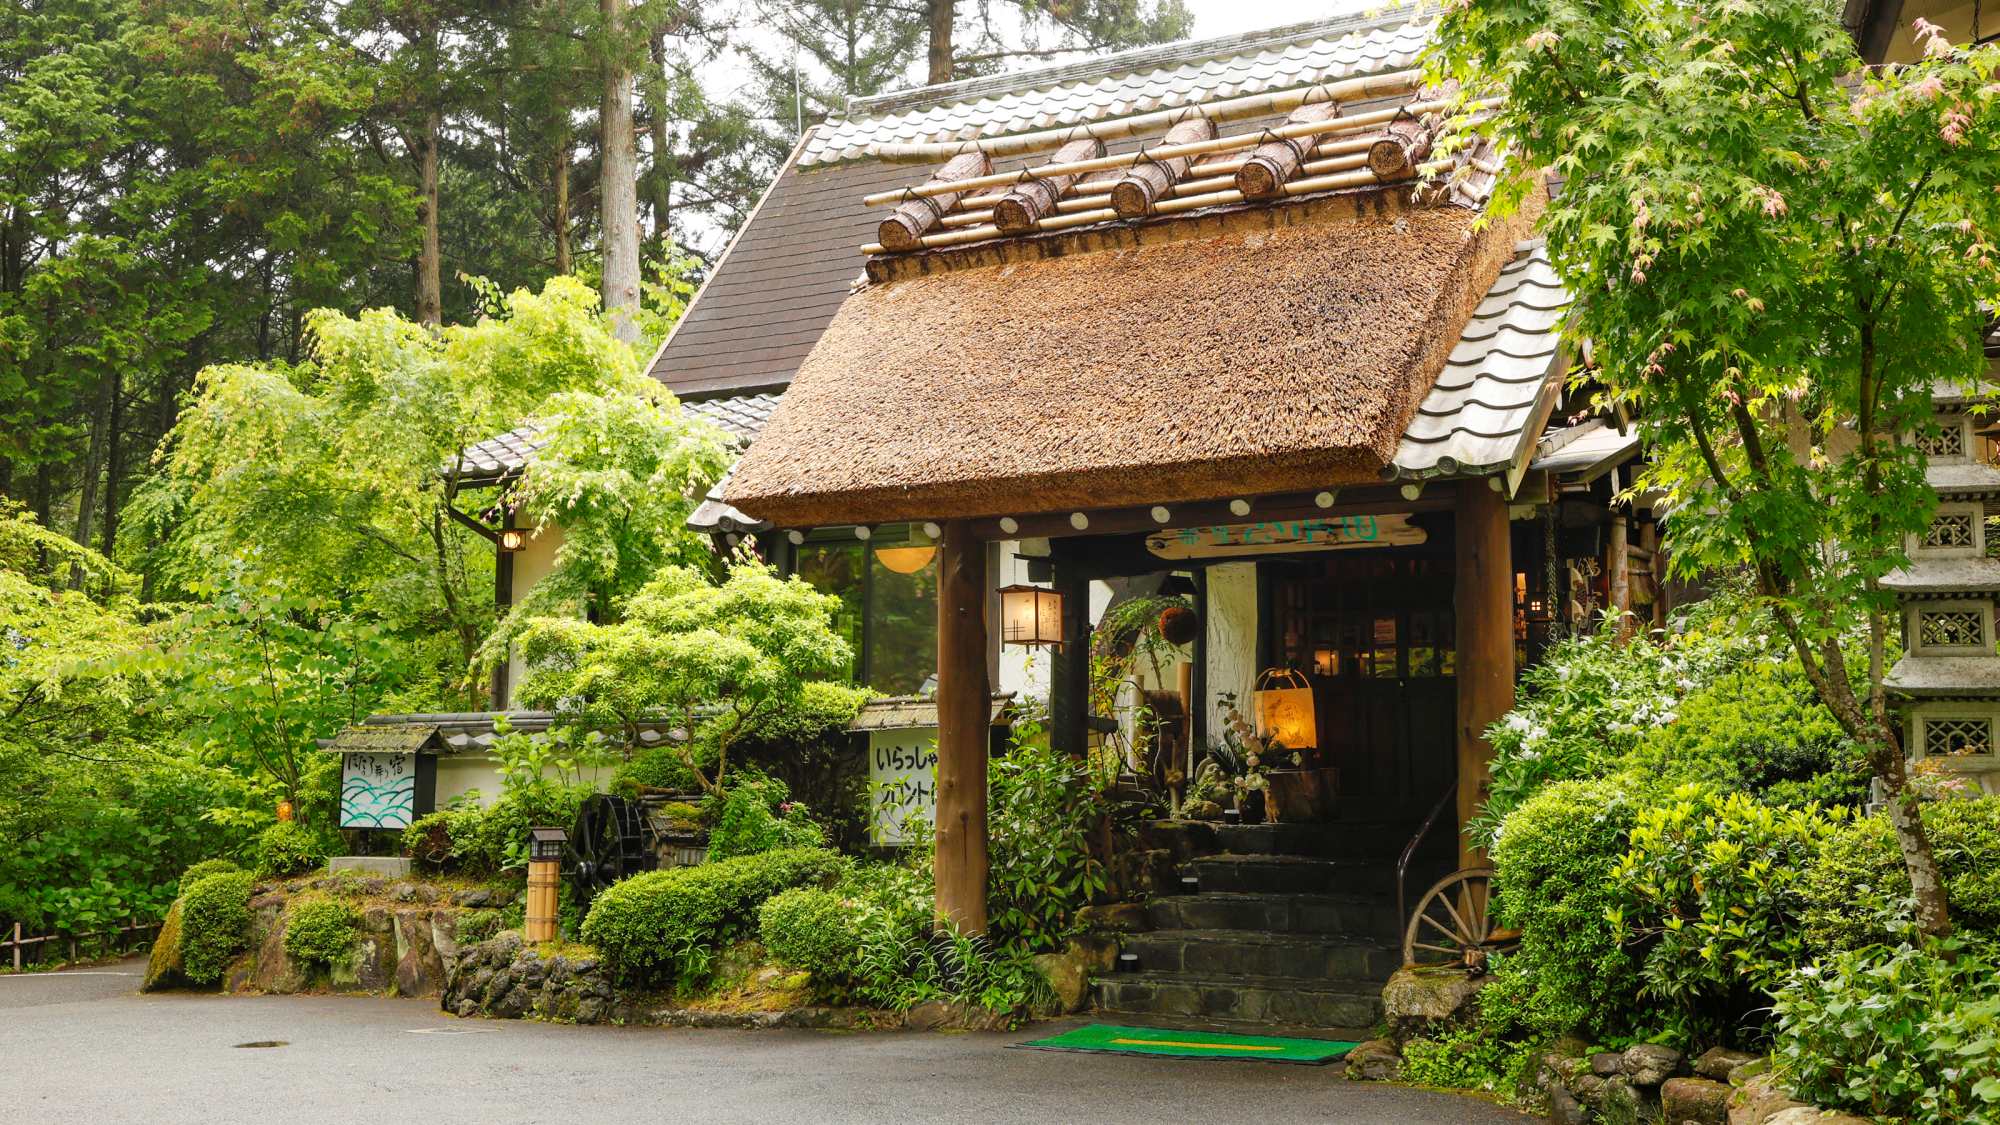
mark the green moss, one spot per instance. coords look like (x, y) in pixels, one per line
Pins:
(321, 931)
(215, 925)
(163, 964)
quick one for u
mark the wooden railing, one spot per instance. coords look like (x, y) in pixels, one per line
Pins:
(120, 937)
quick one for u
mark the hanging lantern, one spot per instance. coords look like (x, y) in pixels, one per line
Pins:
(905, 560)
(1030, 616)
(512, 539)
(1285, 715)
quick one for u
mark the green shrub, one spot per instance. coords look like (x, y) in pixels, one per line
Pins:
(658, 767)
(1713, 890)
(215, 924)
(662, 927)
(427, 841)
(1042, 809)
(1904, 1033)
(204, 869)
(320, 931)
(1469, 1058)
(1759, 728)
(815, 931)
(475, 926)
(756, 815)
(1553, 860)
(288, 848)
(474, 839)
(1857, 888)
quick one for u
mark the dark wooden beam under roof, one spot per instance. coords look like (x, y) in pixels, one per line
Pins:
(1873, 25)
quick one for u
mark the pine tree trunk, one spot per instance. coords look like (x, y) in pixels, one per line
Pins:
(430, 286)
(564, 263)
(93, 464)
(618, 187)
(662, 187)
(114, 462)
(942, 15)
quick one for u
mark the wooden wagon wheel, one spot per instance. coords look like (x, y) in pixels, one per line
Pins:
(1453, 924)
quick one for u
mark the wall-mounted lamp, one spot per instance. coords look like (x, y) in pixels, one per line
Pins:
(512, 538)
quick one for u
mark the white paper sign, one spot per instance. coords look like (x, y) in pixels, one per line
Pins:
(377, 790)
(902, 781)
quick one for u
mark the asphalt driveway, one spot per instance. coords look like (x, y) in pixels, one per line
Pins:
(85, 1047)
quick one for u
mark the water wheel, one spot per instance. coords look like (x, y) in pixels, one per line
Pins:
(1453, 925)
(608, 842)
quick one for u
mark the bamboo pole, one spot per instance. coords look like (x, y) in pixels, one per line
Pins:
(1228, 109)
(1274, 162)
(1017, 211)
(902, 229)
(1133, 195)
(1360, 122)
(1360, 177)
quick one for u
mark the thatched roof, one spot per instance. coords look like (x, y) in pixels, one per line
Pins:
(1229, 354)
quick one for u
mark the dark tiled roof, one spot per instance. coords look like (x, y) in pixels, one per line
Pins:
(742, 415)
(779, 284)
(503, 455)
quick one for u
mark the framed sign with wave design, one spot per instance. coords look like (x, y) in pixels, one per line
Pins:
(378, 790)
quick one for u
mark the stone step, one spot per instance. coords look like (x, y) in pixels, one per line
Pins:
(1254, 953)
(1276, 913)
(1290, 874)
(1380, 843)
(1349, 1008)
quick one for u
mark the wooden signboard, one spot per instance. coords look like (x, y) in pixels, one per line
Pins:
(1324, 533)
(378, 790)
(902, 781)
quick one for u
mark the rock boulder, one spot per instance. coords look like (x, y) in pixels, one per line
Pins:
(1416, 1002)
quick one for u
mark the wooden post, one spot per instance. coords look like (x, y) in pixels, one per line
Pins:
(539, 922)
(1069, 673)
(964, 704)
(1656, 570)
(1484, 608)
(1619, 567)
(17, 947)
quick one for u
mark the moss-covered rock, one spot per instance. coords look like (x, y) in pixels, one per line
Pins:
(163, 968)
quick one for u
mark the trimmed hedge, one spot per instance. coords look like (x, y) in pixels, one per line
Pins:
(215, 925)
(664, 927)
(289, 848)
(1857, 889)
(204, 869)
(321, 931)
(815, 931)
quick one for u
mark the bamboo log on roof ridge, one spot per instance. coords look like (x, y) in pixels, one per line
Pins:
(1273, 162)
(1228, 109)
(902, 229)
(1339, 126)
(1360, 177)
(1017, 210)
(1147, 180)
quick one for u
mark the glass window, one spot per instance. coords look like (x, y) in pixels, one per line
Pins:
(889, 618)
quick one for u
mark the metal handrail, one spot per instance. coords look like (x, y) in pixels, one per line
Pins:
(1410, 849)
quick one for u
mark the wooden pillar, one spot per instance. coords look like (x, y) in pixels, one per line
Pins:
(1619, 567)
(1069, 672)
(964, 704)
(1484, 609)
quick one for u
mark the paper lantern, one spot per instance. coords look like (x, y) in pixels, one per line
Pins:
(1285, 714)
(512, 539)
(905, 560)
(1030, 616)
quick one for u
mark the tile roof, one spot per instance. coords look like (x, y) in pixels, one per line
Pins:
(1587, 449)
(460, 732)
(741, 416)
(1119, 85)
(1496, 388)
(1963, 477)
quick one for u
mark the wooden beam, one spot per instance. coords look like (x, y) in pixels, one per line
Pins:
(1069, 671)
(1022, 207)
(1266, 170)
(906, 225)
(964, 706)
(1149, 180)
(1484, 608)
(1353, 501)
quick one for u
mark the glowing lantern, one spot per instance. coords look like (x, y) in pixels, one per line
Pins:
(1030, 616)
(905, 560)
(1285, 714)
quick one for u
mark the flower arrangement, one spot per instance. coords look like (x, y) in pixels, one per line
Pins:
(1251, 752)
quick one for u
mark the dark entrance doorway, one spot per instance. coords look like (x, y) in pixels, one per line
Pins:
(1373, 631)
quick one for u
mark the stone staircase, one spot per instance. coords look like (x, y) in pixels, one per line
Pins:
(1279, 932)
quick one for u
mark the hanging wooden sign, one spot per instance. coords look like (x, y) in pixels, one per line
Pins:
(1323, 533)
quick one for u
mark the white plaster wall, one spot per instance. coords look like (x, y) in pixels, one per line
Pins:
(532, 563)
(1232, 637)
(459, 774)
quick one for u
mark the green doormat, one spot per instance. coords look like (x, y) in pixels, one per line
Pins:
(1193, 1044)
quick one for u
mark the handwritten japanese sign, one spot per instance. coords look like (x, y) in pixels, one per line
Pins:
(1323, 533)
(377, 790)
(902, 781)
